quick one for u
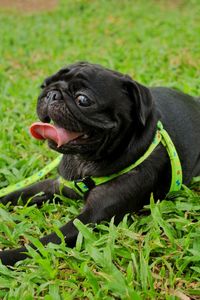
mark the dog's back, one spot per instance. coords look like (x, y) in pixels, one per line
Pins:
(180, 114)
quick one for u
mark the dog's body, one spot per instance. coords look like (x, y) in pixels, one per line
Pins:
(114, 120)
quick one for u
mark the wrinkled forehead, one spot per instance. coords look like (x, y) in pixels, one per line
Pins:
(89, 73)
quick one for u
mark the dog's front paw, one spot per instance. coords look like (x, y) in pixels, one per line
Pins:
(12, 198)
(10, 257)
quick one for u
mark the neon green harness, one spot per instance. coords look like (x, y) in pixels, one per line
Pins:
(85, 184)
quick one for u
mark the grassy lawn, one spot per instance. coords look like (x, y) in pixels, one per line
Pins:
(151, 255)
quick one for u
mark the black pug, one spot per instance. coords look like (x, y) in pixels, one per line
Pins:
(103, 121)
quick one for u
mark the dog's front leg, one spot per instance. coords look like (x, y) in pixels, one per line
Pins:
(39, 193)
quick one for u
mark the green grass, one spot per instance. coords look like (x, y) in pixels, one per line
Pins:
(152, 255)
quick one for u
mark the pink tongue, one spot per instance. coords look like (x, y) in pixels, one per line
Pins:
(60, 136)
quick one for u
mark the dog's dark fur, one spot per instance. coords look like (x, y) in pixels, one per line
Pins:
(121, 123)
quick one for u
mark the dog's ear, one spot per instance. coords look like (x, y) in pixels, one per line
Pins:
(141, 97)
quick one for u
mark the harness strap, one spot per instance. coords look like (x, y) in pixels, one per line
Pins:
(176, 169)
(32, 179)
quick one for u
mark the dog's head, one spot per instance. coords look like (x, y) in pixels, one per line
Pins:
(94, 110)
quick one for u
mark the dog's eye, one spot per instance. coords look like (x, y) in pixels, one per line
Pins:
(83, 100)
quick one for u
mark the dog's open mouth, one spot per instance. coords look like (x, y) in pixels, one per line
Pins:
(60, 136)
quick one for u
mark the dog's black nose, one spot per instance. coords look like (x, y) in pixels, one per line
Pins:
(54, 95)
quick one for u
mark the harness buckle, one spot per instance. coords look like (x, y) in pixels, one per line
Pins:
(84, 184)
